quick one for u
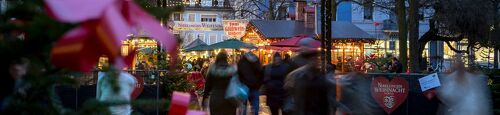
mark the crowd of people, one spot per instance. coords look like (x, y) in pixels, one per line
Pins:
(292, 85)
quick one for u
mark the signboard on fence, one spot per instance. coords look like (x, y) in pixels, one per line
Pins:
(389, 94)
(235, 28)
(429, 82)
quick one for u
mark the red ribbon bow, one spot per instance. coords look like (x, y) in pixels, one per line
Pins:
(104, 24)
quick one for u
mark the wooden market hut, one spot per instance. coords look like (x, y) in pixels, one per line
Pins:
(264, 32)
(348, 43)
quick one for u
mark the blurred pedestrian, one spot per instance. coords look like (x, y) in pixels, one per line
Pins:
(356, 96)
(218, 76)
(188, 66)
(106, 90)
(286, 60)
(312, 91)
(464, 93)
(142, 65)
(274, 76)
(309, 91)
(250, 74)
(16, 84)
(396, 66)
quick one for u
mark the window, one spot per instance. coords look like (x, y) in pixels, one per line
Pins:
(191, 17)
(368, 10)
(392, 45)
(202, 37)
(208, 18)
(213, 38)
(190, 38)
(178, 17)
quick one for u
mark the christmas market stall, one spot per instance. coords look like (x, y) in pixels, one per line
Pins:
(348, 43)
(195, 50)
(262, 33)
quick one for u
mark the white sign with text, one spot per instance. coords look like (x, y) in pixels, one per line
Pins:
(429, 82)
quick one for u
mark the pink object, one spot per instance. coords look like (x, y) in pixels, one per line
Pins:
(191, 112)
(294, 42)
(179, 103)
(74, 11)
(105, 23)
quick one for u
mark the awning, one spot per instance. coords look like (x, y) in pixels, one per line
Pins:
(232, 44)
(195, 43)
(199, 48)
(294, 42)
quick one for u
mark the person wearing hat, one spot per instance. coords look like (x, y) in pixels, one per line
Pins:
(309, 91)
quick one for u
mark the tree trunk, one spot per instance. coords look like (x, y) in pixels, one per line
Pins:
(413, 31)
(471, 57)
(334, 10)
(329, 43)
(495, 57)
(403, 33)
(271, 10)
(164, 3)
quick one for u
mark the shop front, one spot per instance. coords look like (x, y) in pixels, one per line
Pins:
(262, 33)
(349, 41)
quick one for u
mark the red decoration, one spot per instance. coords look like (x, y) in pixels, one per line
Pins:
(179, 105)
(389, 95)
(294, 42)
(139, 86)
(376, 23)
(431, 93)
(103, 25)
(196, 78)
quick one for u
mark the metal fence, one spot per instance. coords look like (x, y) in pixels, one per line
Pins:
(74, 97)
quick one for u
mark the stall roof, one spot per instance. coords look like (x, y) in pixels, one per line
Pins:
(280, 28)
(347, 30)
(195, 43)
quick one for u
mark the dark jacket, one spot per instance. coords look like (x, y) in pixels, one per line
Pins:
(298, 61)
(274, 79)
(397, 67)
(313, 92)
(249, 71)
(217, 81)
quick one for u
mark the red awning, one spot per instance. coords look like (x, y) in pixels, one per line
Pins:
(278, 48)
(294, 42)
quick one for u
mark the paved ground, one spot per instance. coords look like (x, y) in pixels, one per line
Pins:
(264, 110)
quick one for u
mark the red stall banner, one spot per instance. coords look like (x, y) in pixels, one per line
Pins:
(389, 94)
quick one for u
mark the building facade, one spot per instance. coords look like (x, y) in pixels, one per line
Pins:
(201, 19)
(381, 23)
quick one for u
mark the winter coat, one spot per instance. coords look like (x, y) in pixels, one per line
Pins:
(298, 61)
(274, 80)
(313, 93)
(250, 72)
(218, 78)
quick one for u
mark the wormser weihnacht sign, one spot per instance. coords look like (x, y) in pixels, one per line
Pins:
(196, 26)
(235, 28)
(389, 94)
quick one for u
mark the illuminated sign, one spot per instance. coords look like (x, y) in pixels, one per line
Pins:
(235, 28)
